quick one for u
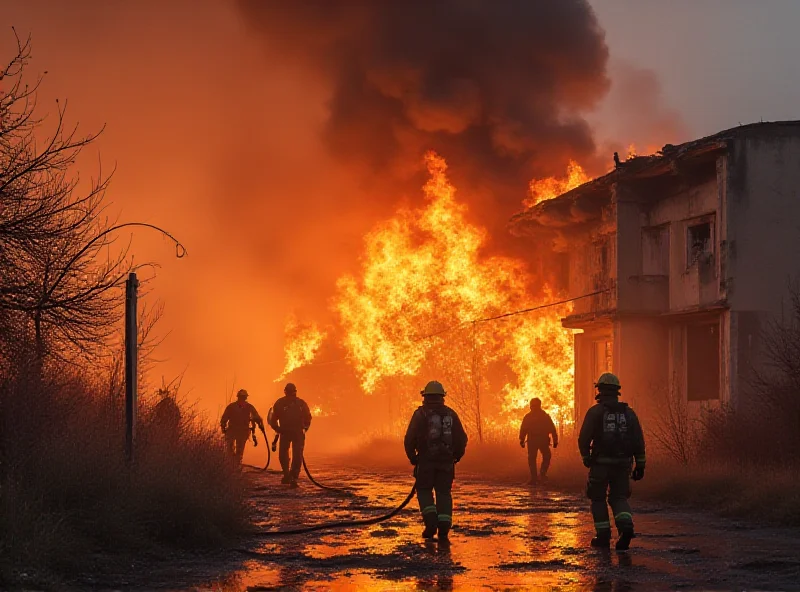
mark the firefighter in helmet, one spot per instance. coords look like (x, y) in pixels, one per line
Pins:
(235, 424)
(610, 441)
(538, 427)
(434, 442)
(291, 418)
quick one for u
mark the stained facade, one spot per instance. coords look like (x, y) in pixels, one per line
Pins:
(684, 255)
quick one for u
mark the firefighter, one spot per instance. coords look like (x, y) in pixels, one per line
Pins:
(166, 420)
(291, 418)
(538, 427)
(235, 424)
(434, 442)
(610, 439)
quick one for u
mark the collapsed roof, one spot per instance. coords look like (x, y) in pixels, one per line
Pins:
(585, 202)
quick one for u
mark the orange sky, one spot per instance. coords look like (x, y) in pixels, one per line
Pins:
(217, 140)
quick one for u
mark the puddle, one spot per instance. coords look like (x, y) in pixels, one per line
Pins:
(504, 537)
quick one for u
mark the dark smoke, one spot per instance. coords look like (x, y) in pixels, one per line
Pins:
(496, 86)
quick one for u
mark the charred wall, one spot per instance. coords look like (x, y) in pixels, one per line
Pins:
(763, 246)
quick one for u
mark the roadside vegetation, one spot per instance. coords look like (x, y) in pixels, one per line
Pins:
(68, 498)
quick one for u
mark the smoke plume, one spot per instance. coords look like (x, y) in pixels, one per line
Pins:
(498, 88)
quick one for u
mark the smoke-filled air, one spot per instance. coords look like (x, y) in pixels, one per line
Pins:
(399, 294)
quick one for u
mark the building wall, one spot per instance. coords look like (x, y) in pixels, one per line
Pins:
(763, 241)
(593, 268)
(593, 356)
(691, 283)
(641, 360)
(752, 202)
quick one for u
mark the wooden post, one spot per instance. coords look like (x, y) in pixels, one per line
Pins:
(131, 363)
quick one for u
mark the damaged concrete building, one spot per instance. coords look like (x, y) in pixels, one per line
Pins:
(685, 254)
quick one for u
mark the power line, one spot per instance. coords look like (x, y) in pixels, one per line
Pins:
(476, 321)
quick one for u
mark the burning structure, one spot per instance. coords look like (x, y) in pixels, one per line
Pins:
(686, 253)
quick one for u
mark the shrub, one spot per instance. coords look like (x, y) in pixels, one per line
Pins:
(67, 489)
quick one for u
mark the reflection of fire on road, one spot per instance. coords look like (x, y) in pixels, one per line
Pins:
(410, 314)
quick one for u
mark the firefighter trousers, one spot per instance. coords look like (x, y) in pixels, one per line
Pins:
(235, 443)
(297, 440)
(609, 485)
(436, 477)
(533, 449)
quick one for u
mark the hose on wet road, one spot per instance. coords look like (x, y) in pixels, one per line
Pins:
(342, 523)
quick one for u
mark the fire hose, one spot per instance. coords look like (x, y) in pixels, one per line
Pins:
(342, 523)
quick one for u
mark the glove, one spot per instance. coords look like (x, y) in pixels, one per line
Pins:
(638, 473)
(522, 443)
(587, 461)
(414, 460)
(555, 445)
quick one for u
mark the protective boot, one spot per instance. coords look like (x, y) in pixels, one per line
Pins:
(286, 479)
(430, 526)
(293, 484)
(602, 539)
(624, 542)
(444, 532)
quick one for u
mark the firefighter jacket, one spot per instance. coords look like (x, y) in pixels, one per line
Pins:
(611, 433)
(435, 433)
(290, 414)
(538, 427)
(237, 416)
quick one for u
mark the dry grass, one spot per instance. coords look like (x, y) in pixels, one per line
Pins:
(67, 490)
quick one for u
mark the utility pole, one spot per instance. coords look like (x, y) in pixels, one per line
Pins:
(131, 363)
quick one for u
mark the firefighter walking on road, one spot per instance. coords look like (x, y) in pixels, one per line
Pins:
(434, 442)
(538, 427)
(235, 424)
(610, 440)
(290, 418)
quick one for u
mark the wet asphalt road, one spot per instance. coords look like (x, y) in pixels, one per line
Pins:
(505, 537)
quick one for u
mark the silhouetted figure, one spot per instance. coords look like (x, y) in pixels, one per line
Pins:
(537, 426)
(166, 420)
(617, 163)
(235, 424)
(291, 418)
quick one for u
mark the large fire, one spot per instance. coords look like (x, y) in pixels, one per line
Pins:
(302, 342)
(418, 310)
(543, 189)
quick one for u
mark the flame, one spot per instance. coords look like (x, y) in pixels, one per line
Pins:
(543, 189)
(302, 342)
(633, 152)
(422, 285)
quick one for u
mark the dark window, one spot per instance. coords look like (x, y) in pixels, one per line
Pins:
(699, 243)
(702, 362)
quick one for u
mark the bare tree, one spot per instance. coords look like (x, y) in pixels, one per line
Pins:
(674, 432)
(59, 274)
(775, 383)
(460, 361)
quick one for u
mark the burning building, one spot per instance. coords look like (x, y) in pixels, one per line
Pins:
(678, 259)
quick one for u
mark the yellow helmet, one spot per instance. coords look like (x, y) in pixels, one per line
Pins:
(608, 379)
(434, 387)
